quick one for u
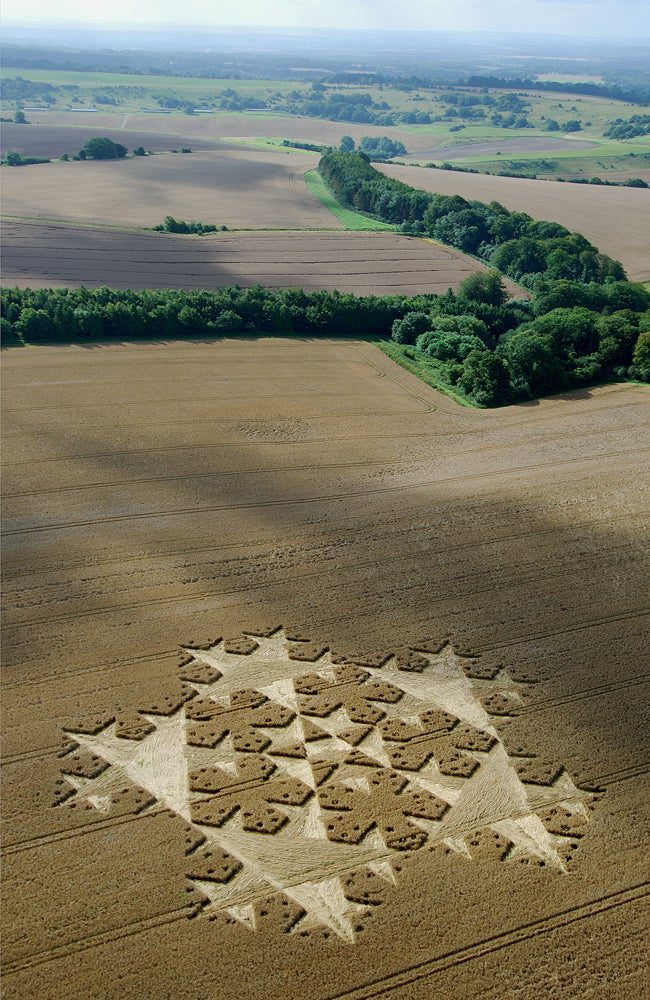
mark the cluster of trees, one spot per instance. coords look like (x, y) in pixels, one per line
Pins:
(100, 147)
(376, 147)
(630, 128)
(14, 159)
(569, 335)
(319, 102)
(506, 111)
(172, 225)
(512, 242)
(18, 89)
(339, 106)
(572, 125)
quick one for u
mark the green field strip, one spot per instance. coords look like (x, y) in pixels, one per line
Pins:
(351, 220)
(190, 83)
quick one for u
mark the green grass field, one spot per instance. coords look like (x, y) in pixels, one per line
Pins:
(351, 220)
(180, 85)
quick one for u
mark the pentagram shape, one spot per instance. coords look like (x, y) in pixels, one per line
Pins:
(306, 779)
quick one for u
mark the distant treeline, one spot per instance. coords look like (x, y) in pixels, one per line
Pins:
(493, 350)
(634, 94)
(512, 242)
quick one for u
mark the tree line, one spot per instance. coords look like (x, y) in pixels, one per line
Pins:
(512, 242)
(494, 350)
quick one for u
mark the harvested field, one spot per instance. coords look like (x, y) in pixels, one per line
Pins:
(616, 220)
(245, 125)
(239, 188)
(36, 254)
(487, 147)
(332, 838)
(55, 140)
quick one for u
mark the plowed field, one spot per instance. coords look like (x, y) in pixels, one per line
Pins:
(53, 141)
(366, 263)
(616, 220)
(239, 188)
(441, 793)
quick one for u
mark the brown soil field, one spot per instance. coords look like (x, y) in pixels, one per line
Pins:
(245, 125)
(40, 255)
(526, 144)
(432, 783)
(239, 188)
(54, 141)
(616, 220)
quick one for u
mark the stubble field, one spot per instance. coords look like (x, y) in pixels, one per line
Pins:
(160, 496)
(240, 188)
(616, 220)
(36, 254)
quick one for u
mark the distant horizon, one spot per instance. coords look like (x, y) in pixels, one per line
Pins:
(188, 27)
(579, 19)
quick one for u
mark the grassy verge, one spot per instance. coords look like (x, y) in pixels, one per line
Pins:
(424, 368)
(351, 220)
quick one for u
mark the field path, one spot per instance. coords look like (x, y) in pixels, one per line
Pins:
(159, 495)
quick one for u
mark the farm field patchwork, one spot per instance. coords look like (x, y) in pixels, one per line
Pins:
(616, 220)
(452, 721)
(367, 263)
(236, 126)
(241, 188)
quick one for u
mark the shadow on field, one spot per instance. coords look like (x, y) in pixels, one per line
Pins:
(527, 571)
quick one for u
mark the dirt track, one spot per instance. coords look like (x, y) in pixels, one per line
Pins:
(239, 188)
(42, 255)
(616, 220)
(161, 495)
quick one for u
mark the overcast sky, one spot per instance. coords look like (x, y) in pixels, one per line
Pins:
(616, 18)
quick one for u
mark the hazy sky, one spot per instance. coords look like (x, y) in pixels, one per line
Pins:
(616, 18)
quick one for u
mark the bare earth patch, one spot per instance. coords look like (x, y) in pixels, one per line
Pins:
(616, 220)
(431, 780)
(366, 263)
